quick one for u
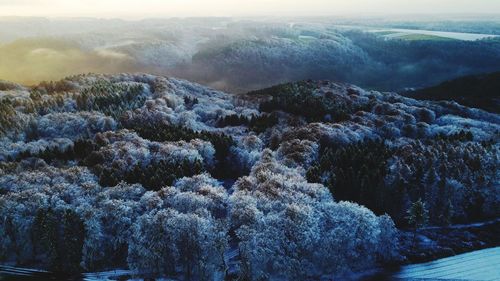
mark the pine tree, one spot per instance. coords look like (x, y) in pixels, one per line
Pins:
(417, 217)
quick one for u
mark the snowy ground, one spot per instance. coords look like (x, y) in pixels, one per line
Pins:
(461, 226)
(452, 35)
(397, 32)
(478, 265)
(107, 275)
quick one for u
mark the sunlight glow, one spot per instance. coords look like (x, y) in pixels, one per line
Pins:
(183, 8)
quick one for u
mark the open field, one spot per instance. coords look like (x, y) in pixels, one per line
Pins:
(420, 37)
(416, 34)
(478, 265)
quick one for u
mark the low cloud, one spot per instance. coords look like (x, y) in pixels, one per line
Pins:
(29, 61)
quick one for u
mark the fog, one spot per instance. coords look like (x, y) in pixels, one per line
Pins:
(33, 60)
(239, 55)
(148, 8)
(239, 46)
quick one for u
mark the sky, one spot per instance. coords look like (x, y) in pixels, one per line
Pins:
(187, 8)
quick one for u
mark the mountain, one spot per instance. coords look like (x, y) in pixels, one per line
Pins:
(170, 178)
(481, 91)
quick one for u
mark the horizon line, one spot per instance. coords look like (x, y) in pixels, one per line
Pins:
(339, 15)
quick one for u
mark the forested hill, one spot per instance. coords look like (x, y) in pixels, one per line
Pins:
(481, 91)
(127, 171)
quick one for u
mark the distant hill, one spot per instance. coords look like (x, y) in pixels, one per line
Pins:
(481, 91)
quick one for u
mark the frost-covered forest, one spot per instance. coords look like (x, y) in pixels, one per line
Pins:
(169, 178)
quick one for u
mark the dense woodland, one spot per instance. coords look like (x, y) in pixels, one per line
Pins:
(275, 54)
(132, 171)
(480, 91)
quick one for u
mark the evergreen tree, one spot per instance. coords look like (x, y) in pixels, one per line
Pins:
(418, 216)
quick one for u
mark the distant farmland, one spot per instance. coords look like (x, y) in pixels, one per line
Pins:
(416, 34)
(478, 265)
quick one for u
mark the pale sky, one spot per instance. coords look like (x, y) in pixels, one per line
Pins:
(185, 8)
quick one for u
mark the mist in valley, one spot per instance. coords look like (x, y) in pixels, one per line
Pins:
(242, 54)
